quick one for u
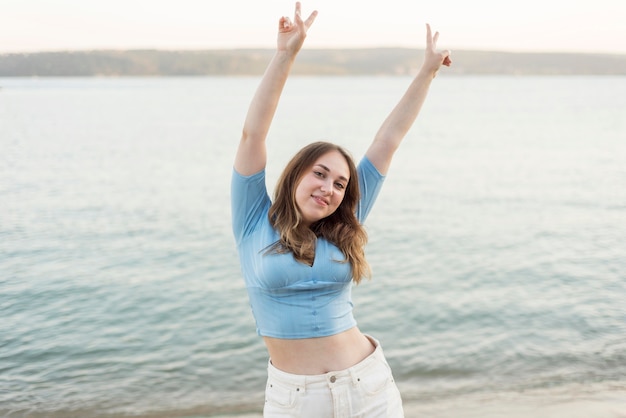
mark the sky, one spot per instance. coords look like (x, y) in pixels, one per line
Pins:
(597, 26)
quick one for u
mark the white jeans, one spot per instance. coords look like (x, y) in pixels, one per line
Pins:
(366, 390)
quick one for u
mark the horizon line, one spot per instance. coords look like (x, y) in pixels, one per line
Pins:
(317, 48)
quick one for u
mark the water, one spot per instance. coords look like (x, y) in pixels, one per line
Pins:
(497, 242)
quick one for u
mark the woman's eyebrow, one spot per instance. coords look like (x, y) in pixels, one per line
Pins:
(328, 170)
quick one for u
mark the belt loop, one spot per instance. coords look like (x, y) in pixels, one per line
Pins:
(355, 378)
(303, 383)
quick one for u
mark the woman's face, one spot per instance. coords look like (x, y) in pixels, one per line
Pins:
(322, 186)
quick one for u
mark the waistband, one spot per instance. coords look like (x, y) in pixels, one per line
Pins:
(333, 378)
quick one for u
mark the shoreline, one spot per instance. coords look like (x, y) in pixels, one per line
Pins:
(573, 401)
(580, 401)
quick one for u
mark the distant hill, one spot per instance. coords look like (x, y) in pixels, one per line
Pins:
(239, 62)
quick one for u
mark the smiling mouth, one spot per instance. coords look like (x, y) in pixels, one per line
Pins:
(320, 200)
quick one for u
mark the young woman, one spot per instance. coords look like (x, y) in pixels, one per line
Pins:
(300, 253)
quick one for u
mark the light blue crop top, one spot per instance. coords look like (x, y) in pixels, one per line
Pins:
(290, 299)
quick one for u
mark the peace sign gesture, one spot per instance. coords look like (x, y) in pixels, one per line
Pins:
(433, 59)
(291, 35)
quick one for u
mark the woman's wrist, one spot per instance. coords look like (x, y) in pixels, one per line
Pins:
(427, 73)
(285, 56)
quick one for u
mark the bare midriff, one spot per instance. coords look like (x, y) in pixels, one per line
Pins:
(313, 356)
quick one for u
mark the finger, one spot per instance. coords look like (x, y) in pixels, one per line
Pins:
(429, 37)
(284, 23)
(309, 21)
(297, 17)
(435, 39)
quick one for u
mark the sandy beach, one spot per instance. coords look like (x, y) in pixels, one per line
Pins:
(610, 404)
(579, 402)
(575, 409)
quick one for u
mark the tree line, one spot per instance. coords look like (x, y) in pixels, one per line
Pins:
(252, 62)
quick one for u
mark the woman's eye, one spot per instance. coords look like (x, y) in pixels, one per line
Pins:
(340, 186)
(318, 173)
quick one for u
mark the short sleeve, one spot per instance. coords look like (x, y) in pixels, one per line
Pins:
(249, 203)
(370, 183)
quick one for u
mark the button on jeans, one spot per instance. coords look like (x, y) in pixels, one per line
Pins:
(366, 390)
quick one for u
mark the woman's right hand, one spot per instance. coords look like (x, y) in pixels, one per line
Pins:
(434, 58)
(291, 35)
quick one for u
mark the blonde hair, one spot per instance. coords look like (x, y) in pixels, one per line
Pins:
(341, 228)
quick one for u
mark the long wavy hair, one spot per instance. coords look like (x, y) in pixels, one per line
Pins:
(341, 228)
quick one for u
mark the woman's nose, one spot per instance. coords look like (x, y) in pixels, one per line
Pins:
(327, 187)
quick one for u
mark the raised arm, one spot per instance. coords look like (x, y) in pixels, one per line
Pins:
(401, 118)
(251, 154)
